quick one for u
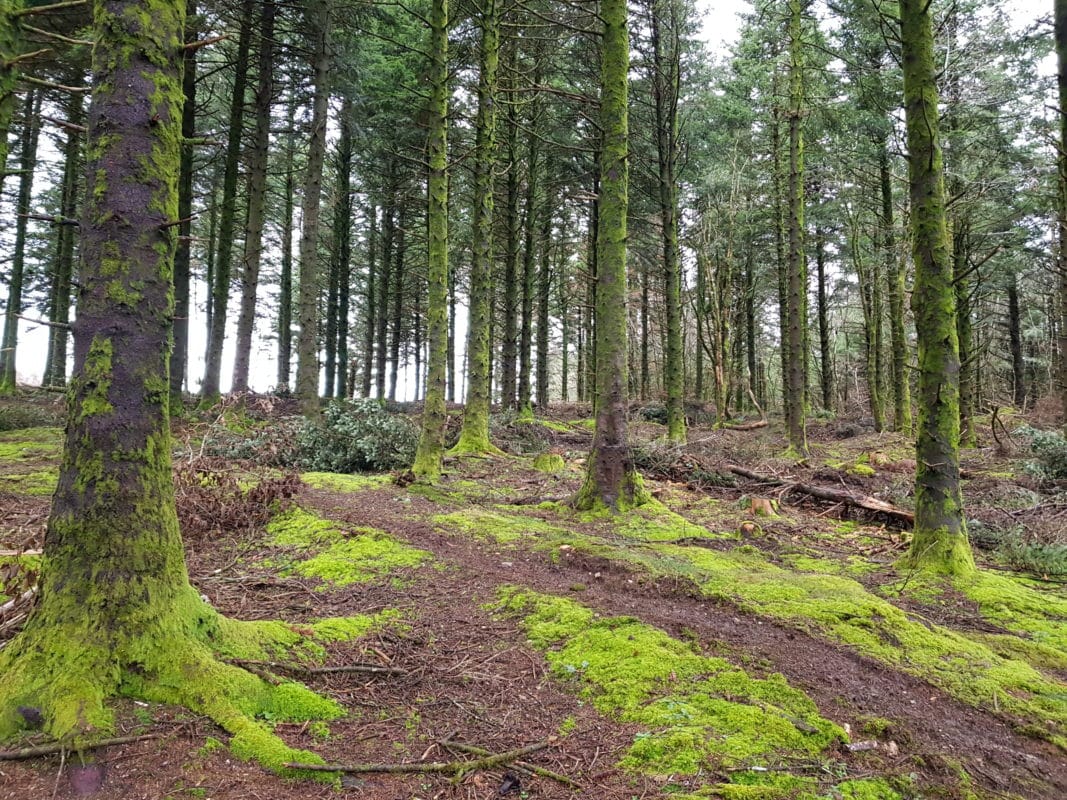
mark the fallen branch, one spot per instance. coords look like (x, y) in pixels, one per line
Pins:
(372, 669)
(828, 493)
(442, 767)
(520, 766)
(58, 747)
(746, 426)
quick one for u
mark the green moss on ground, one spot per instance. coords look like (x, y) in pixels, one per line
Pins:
(1039, 616)
(39, 484)
(29, 443)
(701, 712)
(342, 554)
(336, 482)
(551, 463)
(498, 526)
(844, 611)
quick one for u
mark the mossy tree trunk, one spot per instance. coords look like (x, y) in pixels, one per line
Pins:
(116, 613)
(611, 482)
(1061, 161)
(317, 16)
(427, 466)
(474, 435)
(940, 541)
(183, 257)
(963, 284)
(63, 272)
(220, 284)
(257, 197)
(666, 89)
(1015, 339)
(16, 282)
(795, 350)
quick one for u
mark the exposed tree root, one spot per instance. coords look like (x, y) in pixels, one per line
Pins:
(59, 674)
(25, 753)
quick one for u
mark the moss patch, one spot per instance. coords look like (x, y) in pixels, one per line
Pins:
(843, 611)
(40, 484)
(342, 554)
(551, 463)
(700, 711)
(498, 526)
(336, 482)
(30, 443)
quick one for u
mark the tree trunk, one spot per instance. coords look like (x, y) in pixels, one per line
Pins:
(59, 313)
(10, 46)
(474, 435)
(611, 481)
(116, 613)
(894, 268)
(396, 327)
(1018, 365)
(529, 244)
(427, 466)
(27, 163)
(666, 89)
(220, 288)
(962, 284)
(257, 198)
(342, 225)
(370, 301)
(796, 278)
(940, 539)
(544, 289)
(307, 368)
(509, 352)
(825, 354)
(385, 282)
(285, 281)
(1061, 216)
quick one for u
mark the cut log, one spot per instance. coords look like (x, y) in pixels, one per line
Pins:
(829, 493)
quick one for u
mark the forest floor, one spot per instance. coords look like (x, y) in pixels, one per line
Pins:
(690, 649)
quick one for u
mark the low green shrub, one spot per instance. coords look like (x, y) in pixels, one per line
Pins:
(1050, 453)
(356, 436)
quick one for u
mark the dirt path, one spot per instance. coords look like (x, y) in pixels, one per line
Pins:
(932, 729)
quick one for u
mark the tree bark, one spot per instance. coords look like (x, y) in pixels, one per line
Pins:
(826, 356)
(1018, 365)
(940, 540)
(533, 167)
(544, 322)
(307, 368)
(898, 347)
(370, 301)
